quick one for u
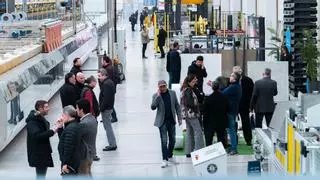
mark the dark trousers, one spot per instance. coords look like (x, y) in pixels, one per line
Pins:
(259, 118)
(167, 130)
(41, 172)
(114, 116)
(162, 52)
(132, 26)
(144, 48)
(221, 134)
(174, 78)
(246, 126)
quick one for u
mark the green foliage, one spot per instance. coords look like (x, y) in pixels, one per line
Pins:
(310, 53)
(276, 43)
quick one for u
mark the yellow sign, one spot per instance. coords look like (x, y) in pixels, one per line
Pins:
(192, 1)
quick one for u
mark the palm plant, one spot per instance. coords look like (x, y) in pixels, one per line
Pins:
(276, 43)
(310, 53)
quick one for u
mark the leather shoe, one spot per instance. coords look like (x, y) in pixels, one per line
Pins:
(96, 158)
(109, 148)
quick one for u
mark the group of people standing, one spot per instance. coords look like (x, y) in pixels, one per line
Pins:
(77, 126)
(217, 113)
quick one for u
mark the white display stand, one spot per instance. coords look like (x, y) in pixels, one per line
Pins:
(213, 65)
(210, 161)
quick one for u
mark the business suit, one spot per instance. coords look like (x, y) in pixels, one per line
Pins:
(262, 100)
(88, 132)
(166, 126)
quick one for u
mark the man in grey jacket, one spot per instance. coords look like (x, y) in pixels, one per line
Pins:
(166, 103)
(262, 98)
(88, 133)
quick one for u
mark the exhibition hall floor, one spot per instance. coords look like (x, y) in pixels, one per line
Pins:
(139, 151)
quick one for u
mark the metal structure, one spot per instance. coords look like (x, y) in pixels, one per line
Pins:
(294, 148)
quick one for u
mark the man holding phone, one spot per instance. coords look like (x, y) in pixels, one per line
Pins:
(166, 103)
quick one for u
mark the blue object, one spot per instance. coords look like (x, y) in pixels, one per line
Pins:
(308, 85)
(23, 33)
(254, 168)
(15, 34)
(288, 40)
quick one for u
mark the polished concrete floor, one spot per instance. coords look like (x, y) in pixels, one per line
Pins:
(139, 152)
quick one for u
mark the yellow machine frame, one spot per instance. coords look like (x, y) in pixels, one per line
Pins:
(156, 30)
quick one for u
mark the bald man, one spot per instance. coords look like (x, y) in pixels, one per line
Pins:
(80, 79)
(247, 89)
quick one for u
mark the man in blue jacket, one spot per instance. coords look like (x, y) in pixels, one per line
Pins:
(233, 93)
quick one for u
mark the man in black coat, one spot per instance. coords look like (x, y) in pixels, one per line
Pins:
(244, 107)
(107, 65)
(69, 147)
(38, 139)
(197, 68)
(133, 21)
(68, 93)
(174, 65)
(215, 115)
(76, 66)
(80, 80)
(106, 101)
(262, 101)
(162, 41)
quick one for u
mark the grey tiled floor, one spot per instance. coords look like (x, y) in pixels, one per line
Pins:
(139, 152)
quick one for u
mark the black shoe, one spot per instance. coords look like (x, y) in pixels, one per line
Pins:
(114, 120)
(101, 120)
(188, 155)
(249, 144)
(96, 158)
(145, 57)
(109, 148)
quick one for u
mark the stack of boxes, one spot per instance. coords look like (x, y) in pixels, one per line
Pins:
(299, 15)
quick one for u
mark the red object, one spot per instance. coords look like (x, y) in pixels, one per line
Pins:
(197, 157)
(89, 96)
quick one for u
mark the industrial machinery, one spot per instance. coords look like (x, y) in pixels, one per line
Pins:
(292, 145)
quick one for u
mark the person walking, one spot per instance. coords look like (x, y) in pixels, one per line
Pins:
(38, 139)
(106, 100)
(191, 113)
(69, 143)
(88, 133)
(145, 40)
(133, 21)
(233, 93)
(197, 68)
(80, 80)
(162, 36)
(215, 115)
(174, 65)
(262, 101)
(166, 103)
(247, 88)
(76, 66)
(68, 94)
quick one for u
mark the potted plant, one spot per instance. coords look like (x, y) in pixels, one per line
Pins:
(276, 44)
(310, 53)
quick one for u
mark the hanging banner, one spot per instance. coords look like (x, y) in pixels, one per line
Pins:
(288, 40)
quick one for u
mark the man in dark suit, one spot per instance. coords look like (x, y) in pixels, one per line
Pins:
(162, 41)
(247, 88)
(262, 98)
(174, 65)
(215, 115)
